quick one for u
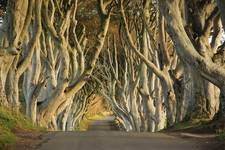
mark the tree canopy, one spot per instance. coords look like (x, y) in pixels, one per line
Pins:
(155, 62)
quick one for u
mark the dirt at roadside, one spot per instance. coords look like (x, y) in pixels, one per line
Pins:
(205, 141)
(27, 140)
(205, 136)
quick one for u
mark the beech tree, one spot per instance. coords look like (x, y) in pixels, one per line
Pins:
(198, 53)
(40, 43)
(186, 93)
(164, 64)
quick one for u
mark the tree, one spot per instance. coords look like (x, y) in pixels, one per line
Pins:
(40, 44)
(198, 57)
(165, 64)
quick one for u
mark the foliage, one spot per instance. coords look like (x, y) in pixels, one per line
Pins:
(6, 137)
(221, 136)
(3, 4)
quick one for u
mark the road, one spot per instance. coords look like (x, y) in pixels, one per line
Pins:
(107, 139)
(106, 124)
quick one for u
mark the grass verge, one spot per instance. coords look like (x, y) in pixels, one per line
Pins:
(10, 121)
(194, 126)
(221, 136)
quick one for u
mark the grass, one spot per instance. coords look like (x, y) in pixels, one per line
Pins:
(6, 137)
(186, 125)
(221, 136)
(198, 126)
(10, 121)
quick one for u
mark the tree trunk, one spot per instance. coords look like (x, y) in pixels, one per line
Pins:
(222, 105)
(185, 49)
(200, 110)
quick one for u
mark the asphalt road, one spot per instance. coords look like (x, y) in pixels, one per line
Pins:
(106, 124)
(102, 137)
(114, 140)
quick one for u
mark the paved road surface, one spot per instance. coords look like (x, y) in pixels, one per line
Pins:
(114, 140)
(106, 124)
(101, 137)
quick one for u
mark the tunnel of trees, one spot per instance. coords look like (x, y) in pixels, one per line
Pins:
(155, 62)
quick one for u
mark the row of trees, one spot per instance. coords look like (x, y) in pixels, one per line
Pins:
(172, 64)
(164, 66)
(43, 59)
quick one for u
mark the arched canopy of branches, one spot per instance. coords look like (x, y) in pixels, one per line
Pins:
(161, 63)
